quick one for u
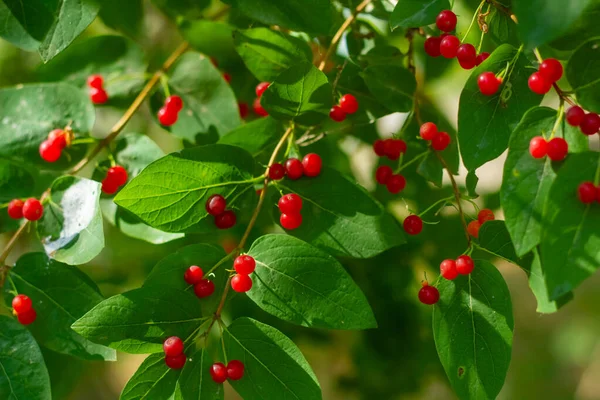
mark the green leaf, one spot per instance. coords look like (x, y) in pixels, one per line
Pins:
(502, 28)
(138, 321)
(195, 382)
(344, 219)
(583, 73)
(299, 283)
(485, 122)
(392, 85)
(471, 183)
(301, 93)
(171, 193)
(351, 81)
(23, 373)
(152, 380)
(16, 180)
(539, 287)
(211, 38)
(570, 241)
(473, 331)
(267, 53)
(71, 227)
(258, 137)
(580, 31)
(416, 13)
(275, 367)
(12, 31)
(126, 17)
(494, 237)
(61, 294)
(185, 8)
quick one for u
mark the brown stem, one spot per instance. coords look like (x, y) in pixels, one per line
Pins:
(12, 242)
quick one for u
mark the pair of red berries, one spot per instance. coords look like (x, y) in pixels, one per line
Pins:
(413, 225)
(541, 81)
(463, 265)
(439, 140)
(395, 183)
(234, 371)
(556, 149)
(52, 147)
(216, 206)
(290, 206)
(32, 209)
(428, 294)
(390, 148)
(347, 105)
(258, 108)
(244, 265)
(169, 112)
(174, 356)
(115, 178)
(97, 93)
(202, 287)
(23, 309)
(488, 83)
(484, 215)
(295, 169)
(588, 123)
(588, 192)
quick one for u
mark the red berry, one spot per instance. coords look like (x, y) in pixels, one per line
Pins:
(235, 370)
(395, 184)
(448, 269)
(176, 362)
(57, 137)
(98, 96)
(261, 87)
(15, 209)
(218, 372)
(413, 225)
(464, 265)
(244, 264)
(167, 116)
(311, 164)
(33, 209)
(379, 147)
(227, 77)
(466, 55)
(109, 187)
(429, 295)
(193, 275)
(173, 346)
(258, 108)
(117, 174)
(241, 283)
(22, 303)
(394, 147)
(95, 81)
(204, 288)
(551, 70)
(488, 83)
(276, 171)
(590, 124)
(481, 58)
(446, 21)
(473, 228)
(290, 221)
(538, 84)
(294, 169)
(290, 203)
(557, 149)
(349, 104)
(440, 141)
(432, 46)
(28, 317)
(174, 103)
(586, 192)
(216, 204)
(449, 46)
(485, 215)
(226, 220)
(538, 147)
(383, 173)
(428, 130)
(244, 110)
(49, 151)
(337, 114)
(575, 116)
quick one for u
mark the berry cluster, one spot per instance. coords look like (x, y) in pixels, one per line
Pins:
(216, 206)
(52, 147)
(488, 83)
(258, 108)
(202, 287)
(541, 81)
(244, 265)
(395, 183)
(295, 169)
(115, 178)
(556, 149)
(439, 140)
(220, 373)
(428, 294)
(392, 149)
(174, 356)
(97, 93)
(290, 206)
(169, 112)
(23, 309)
(588, 192)
(348, 105)
(32, 209)
(588, 123)
(413, 224)
(484, 215)
(463, 265)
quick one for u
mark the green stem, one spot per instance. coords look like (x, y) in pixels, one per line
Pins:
(221, 262)
(414, 160)
(559, 117)
(164, 82)
(83, 141)
(434, 205)
(473, 20)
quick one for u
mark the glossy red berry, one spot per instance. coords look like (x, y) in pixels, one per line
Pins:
(58, 137)
(557, 149)
(383, 173)
(290, 203)
(312, 164)
(294, 169)
(241, 283)
(176, 362)
(538, 147)
(488, 83)
(394, 147)
(481, 58)
(216, 204)
(98, 96)
(590, 124)
(538, 84)
(117, 174)
(49, 151)
(413, 225)
(551, 70)
(464, 265)
(395, 184)
(109, 187)
(440, 141)
(448, 269)
(276, 172)
(349, 104)
(485, 215)
(244, 110)
(204, 288)
(337, 114)
(32, 209)
(173, 346)
(446, 21)
(95, 81)
(261, 87)
(575, 115)
(244, 264)
(28, 317)
(428, 130)
(586, 193)
(466, 55)
(235, 370)
(290, 221)
(226, 220)
(22, 303)
(379, 147)
(15, 209)
(473, 228)
(432, 46)
(258, 108)
(218, 372)
(193, 275)
(449, 46)
(167, 116)
(429, 295)
(174, 103)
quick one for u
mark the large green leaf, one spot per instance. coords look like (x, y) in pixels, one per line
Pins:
(416, 13)
(211, 38)
(304, 285)
(61, 294)
(171, 193)
(126, 17)
(23, 373)
(140, 320)
(392, 85)
(539, 287)
(71, 227)
(571, 239)
(485, 122)
(12, 31)
(341, 217)
(583, 73)
(580, 31)
(195, 382)
(275, 367)
(16, 180)
(473, 331)
(152, 380)
(258, 137)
